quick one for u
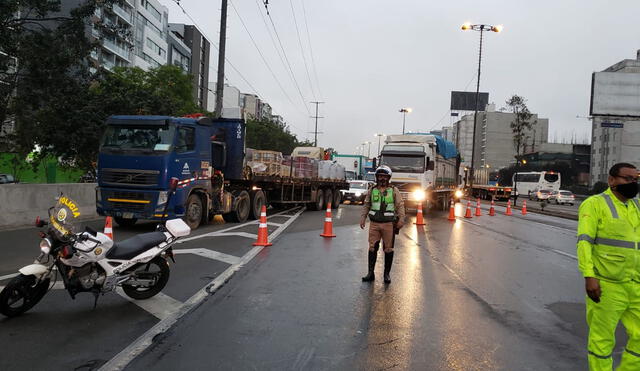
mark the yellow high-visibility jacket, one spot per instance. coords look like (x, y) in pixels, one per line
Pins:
(609, 238)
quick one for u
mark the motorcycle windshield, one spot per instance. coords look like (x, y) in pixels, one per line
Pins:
(64, 217)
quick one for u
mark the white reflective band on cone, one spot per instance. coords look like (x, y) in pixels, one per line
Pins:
(327, 219)
(263, 225)
(263, 214)
(107, 230)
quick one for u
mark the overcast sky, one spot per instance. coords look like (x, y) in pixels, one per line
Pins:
(374, 57)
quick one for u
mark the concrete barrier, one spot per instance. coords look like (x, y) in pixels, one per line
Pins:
(20, 204)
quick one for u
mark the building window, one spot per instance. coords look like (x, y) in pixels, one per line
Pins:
(152, 10)
(145, 22)
(156, 48)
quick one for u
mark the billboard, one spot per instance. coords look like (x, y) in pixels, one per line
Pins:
(615, 94)
(466, 101)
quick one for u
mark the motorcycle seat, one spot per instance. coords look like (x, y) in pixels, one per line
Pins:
(135, 245)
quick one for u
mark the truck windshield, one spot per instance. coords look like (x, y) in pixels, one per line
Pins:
(404, 164)
(146, 139)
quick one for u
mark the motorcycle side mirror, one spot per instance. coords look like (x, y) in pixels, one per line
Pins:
(40, 223)
(173, 184)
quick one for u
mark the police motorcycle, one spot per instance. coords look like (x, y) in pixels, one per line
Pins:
(89, 261)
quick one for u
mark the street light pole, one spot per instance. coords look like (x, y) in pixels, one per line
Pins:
(404, 112)
(379, 136)
(481, 28)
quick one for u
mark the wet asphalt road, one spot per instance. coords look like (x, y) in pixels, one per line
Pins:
(488, 293)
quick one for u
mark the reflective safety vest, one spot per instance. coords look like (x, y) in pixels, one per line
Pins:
(615, 244)
(383, 208)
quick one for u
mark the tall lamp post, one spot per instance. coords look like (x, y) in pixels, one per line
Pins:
(477, 27)
(404, 112)
(379, 137)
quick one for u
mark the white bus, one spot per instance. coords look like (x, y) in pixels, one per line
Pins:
(531, 182)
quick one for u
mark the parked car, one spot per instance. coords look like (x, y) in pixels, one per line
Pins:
(357, 191)
(6, 178)
(562, 197)
(540, 195)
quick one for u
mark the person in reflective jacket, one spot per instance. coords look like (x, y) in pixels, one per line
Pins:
(609, 259)
(385, 208)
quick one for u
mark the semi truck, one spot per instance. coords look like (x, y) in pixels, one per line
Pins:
(487, 187)
(424, 166)
(139, 155)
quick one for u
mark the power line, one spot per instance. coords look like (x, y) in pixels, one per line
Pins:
(288, 64)
(304, 59)
(201, 30)
(261, 55)
(313, 62)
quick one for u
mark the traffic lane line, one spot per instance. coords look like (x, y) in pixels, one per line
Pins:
(512, 236)
(122, 359)
(160, 305)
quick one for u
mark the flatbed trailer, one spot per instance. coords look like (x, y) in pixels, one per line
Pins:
(490, 192)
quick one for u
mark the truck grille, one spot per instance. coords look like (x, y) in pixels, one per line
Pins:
(117, 200)
(129, 177)
(407, 187)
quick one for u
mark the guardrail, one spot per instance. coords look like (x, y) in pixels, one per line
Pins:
(20, 204)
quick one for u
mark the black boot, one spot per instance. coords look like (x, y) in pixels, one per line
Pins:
(373, 256)
(388, 260)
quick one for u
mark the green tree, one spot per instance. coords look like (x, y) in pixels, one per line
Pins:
(522, 121)
(270, 135)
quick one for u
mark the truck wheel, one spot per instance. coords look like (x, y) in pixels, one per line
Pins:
(193, 211)
(318, 203)
(328, 198)
(337, 199)
(241, 209)
(258, 200)
(122, 222)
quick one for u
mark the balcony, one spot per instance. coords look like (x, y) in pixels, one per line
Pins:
(123, 53)
(122, 13)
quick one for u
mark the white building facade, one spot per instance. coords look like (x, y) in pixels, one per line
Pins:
(616, 138)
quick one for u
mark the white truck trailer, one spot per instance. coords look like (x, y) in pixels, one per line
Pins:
(424, 166)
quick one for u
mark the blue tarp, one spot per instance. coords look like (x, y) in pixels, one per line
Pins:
(445, 148)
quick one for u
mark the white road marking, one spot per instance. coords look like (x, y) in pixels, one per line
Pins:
(57, 286)
(211, 254)
(122, 359)
(160, 305)
(565, 254)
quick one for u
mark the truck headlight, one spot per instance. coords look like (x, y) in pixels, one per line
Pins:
(419, 195)
(162, 197)
(358, 194)
(459, 194)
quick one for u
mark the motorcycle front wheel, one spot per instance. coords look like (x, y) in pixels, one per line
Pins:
(21, 294)
(156, 270)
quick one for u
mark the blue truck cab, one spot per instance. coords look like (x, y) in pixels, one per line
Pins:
(140, 154)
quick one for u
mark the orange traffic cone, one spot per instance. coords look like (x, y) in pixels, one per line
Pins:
(492, 210)
(452, 211)
(263, 231)
(328, 223)
(468, 213)
(524, 207)
(108, 228)
(478, 212)
(509, 208)
(419, 217)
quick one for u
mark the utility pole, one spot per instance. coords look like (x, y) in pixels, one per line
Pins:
(315, 132)
(221, 57)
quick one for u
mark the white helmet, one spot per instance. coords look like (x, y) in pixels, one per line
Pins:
(385, 170)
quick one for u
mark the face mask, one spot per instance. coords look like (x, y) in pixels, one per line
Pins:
(382, 181)
(629, 190)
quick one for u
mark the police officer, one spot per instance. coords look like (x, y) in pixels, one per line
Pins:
(384, 206)
(609, 259)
